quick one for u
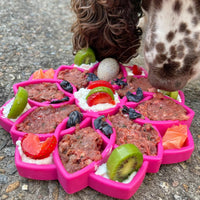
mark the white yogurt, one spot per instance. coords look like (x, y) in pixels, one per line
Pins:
(81, 96)
(44, 161)
(102, 171)
(86, 66)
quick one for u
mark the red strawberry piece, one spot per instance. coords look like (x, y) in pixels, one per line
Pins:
(100, 97)
(99, 83)
(35, 149)
(136, 70)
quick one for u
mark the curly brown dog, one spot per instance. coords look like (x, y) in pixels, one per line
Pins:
(109, 27)
(171, 39)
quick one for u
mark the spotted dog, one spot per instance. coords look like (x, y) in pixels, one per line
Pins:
(172, 42)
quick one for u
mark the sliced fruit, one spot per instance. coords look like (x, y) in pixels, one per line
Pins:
(101, 89)
(165, 92)
(49, 74)
(99, 97)
(84, 56)
(173, 94)
(19, 103)
(99, 83)
(136, 70)
(123, 161)
(39, 74)
(175, 137)
(35, 149)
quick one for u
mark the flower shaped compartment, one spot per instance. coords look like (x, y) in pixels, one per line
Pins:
(132, 83)
(45, 91)
(169, 156)
(142, 134)
(57, 118)
(33, 169)
(78, 77)
(81, 148)
(41, 120)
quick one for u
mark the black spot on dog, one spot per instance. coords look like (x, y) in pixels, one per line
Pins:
(160, 58)
(146, 48)
(190, 10)
(160, 47)
(173, 52)
(182, 27)
(158, 4)
(146, 4)
(180, 48)
(177, 6)
(180, 51)
(197, 6)
(169, 69)
(195, 21)
(189, 43)
(170, 36)
(190, 60)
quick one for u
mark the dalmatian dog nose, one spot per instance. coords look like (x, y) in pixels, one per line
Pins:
(168, 84)
(172, 42)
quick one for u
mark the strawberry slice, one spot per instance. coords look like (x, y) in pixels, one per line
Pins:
(35, 149)
(99, 83)
(100, 97)
(136, 70)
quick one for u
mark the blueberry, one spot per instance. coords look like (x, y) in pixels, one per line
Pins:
(131, 112)
(66, 86)
(135, 98)
(75, 117)
(98, 122)
(91, 77)
(103, 126)
(60, 100)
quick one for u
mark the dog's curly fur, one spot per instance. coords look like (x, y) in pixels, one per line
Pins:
(109, 27)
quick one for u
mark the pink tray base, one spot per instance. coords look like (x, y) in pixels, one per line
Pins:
(77, 181)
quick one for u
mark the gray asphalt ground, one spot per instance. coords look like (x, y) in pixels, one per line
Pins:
(36, 34)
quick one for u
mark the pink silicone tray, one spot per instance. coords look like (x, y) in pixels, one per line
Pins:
(86, 177)
(39, 81)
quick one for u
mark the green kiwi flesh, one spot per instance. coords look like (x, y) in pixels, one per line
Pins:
(123, 161)
(19, 103)
(84, 56)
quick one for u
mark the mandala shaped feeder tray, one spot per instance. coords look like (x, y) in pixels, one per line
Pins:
(85, 140)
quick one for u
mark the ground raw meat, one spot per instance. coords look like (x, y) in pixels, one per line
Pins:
(160, 108)
(144, 137)
(44, 92)
(75, 77)
(80, 149)
(133, 83)
(45, 119)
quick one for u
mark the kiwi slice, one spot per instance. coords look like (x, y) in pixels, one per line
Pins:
(84, 56)
(19, 103)
(123, 161)
(174, 95)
